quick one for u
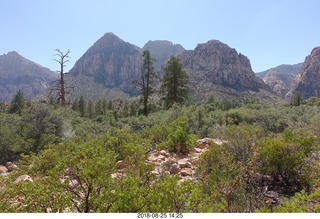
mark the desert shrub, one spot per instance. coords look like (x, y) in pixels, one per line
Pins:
(157, 133)
(218, 174)
(285, 158)
(125, 144)
(301, 202)
(9, 139)
(178, 135)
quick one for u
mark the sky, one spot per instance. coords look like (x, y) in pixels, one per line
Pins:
(268, 32)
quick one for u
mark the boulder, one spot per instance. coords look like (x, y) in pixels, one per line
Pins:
(23, 178)
(186, 172)
(12, 167)
(3, 169)
(152, 158)
(166, 165)
(197, 150)
(8, 163)
(164, 153)
(202, 144)
(161, 157)
(121, 164)
(184, 163)
(174, 169)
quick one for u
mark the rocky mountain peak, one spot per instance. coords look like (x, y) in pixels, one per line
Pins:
(111, 62)
(217, 63)
(307, 80)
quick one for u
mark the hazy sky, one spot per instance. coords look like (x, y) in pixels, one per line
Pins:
(268, 32)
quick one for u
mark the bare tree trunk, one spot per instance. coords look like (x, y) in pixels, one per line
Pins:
(62, 60)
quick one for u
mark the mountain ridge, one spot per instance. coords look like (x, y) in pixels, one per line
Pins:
(20, 73)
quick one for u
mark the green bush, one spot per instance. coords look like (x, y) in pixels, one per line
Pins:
(179, 137)
(285, 158)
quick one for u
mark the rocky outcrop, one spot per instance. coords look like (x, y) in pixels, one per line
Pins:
(161, 50)
(183, 165)
(280, 78)
(217, 63)
(111, 62)
(307, 81)
(17, 72)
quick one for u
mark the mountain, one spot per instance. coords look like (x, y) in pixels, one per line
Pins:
(115, 63)
(280, 78)
(111, 62)
(307, 80)
(216, 69)
(17, 72)
(161, 50)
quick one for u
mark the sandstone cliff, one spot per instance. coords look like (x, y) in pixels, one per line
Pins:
(307, 80)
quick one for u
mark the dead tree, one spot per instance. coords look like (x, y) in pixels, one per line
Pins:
(59, 90)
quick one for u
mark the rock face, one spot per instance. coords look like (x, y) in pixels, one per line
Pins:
(161, 50)
(307, 80)
(281, 77)
(217, 63)
(111, 62)
(17, 72)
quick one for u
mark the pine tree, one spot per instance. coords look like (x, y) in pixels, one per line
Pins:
(18, 103)
(110, 106)
(98, 108)
(174, 84)
(75, 106)
(82, 106)
(296, 99)
(146, 80)
(104, 106)
(90, 109)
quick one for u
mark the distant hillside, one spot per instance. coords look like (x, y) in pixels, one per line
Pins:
(17, 72)
(280, 78)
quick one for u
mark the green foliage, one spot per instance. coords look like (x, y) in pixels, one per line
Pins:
(82, 106)
(174, 84)
(17, 103)
(221, 181)
(285, 158)
(296, 99)
(125, 144)
(301, 202)
(178, 136)
(9, 138)
(40, 127)
(63, 149)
